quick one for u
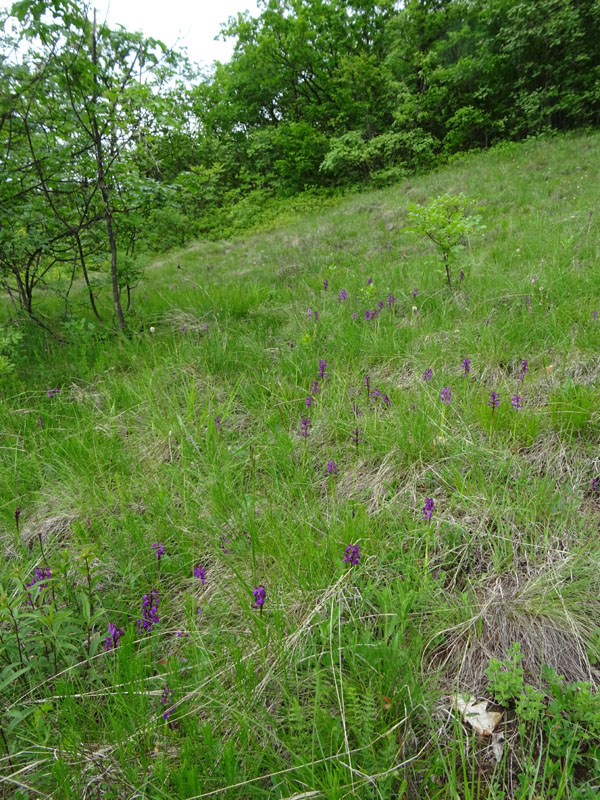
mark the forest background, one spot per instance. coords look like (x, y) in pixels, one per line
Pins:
(114, 147)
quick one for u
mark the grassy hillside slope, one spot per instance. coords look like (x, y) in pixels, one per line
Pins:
(187, 437)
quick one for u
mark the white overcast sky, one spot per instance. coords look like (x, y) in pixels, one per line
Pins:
(190, 23)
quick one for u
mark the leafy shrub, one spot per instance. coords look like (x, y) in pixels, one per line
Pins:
(352, 158)
(448, 222)
(10, 341)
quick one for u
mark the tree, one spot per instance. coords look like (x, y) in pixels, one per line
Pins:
(86, 109)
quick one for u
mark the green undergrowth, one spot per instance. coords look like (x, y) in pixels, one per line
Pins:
(187, 432)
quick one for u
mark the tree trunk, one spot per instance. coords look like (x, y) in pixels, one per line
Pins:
(87, 279)
(112, 242)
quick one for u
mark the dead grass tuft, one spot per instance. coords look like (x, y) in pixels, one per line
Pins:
(552, 614)
(49, 530)
(369, 480)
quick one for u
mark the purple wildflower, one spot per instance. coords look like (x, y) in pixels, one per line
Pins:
(356, 437)
(356, 410)
(40, 576)
(494, 401)
(316, 313)
(595, 485)
(391, 299)
(218, 423)
(309, 313)
(369, 315)
(306, 426)
(149, 616)
(378, 394)
(182, 329)
(352, 554)
(524, 369)
(165, 699)
(594, 315)
(467, 366)
(461, 276)
(53, 392)
(322, 367)
(308, 401)
(445, 395)
(200, 573)
(415, 292)
(516, 402)
(374, 394)
(427, 375)
(114, 634)
(159, 549)
(354, 315)
(343, 295)
(225, 545)
(41, 421)
(380, 305)
(259, 593)
(183, 635)
(206, 328)
(331, 468)
(325, 284)
(370, 281)
(314, 388)
(428, 508)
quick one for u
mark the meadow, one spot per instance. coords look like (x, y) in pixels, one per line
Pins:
(257, 545)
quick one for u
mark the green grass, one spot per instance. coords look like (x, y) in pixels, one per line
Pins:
(339, 688)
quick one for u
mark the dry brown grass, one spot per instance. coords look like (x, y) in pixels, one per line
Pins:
(553, 613)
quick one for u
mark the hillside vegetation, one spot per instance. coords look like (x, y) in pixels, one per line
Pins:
(254, 547)
(114, 147)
